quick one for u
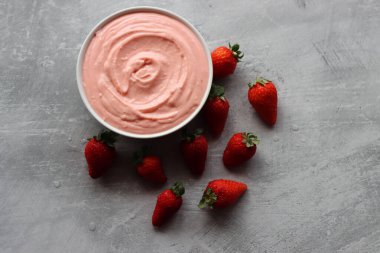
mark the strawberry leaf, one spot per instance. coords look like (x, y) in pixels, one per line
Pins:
(216, 91)
(259, 80)
(250, 140)
(178, 189)
(107, 137)
(251, 84)
(262, 81)
(235, 47)
(190, 137)
(139, 155)
(236, 52)
(208, 199)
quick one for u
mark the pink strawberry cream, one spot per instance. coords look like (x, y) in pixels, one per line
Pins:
(145, 72)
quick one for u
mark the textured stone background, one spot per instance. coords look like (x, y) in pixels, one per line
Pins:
(314, 183)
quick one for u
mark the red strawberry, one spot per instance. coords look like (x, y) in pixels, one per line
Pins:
(168, 203)
(222, 193)
(149, 167)
(240, 148)
(194, 151)
(100, 153)
(224, 60)
(262, 95)
(216, 110)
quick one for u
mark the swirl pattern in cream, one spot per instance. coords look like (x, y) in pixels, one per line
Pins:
(145, 72)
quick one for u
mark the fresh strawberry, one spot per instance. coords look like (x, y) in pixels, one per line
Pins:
(216, 110)
(262, 95)
(149, 167)
(194, 151)
(240, 148)
(224, 60)
(168, 203)
(100, 153)
(222, 193)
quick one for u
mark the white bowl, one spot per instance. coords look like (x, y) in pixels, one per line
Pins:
(113, 16)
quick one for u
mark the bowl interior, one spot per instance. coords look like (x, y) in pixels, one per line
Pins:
(109, 19)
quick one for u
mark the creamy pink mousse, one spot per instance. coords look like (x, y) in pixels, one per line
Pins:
(145, 72)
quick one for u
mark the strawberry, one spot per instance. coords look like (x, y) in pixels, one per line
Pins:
(100, 153)
(194, 151)
(216, 110)
(224, 60)
(222, 193)
(168, 203)
(262, 95)
(240, 148)
(149, 167)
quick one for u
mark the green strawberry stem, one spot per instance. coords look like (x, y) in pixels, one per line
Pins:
(250, 140)
(260, 80)
(178, 189)
(190, 137)
(107, 137)
(216, 91)
(139, 155)
(235, 51)
(208, 199)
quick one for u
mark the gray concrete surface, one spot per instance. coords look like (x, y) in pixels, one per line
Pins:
(314, 185)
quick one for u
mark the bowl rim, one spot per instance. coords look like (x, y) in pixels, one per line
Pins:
(101, 24)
